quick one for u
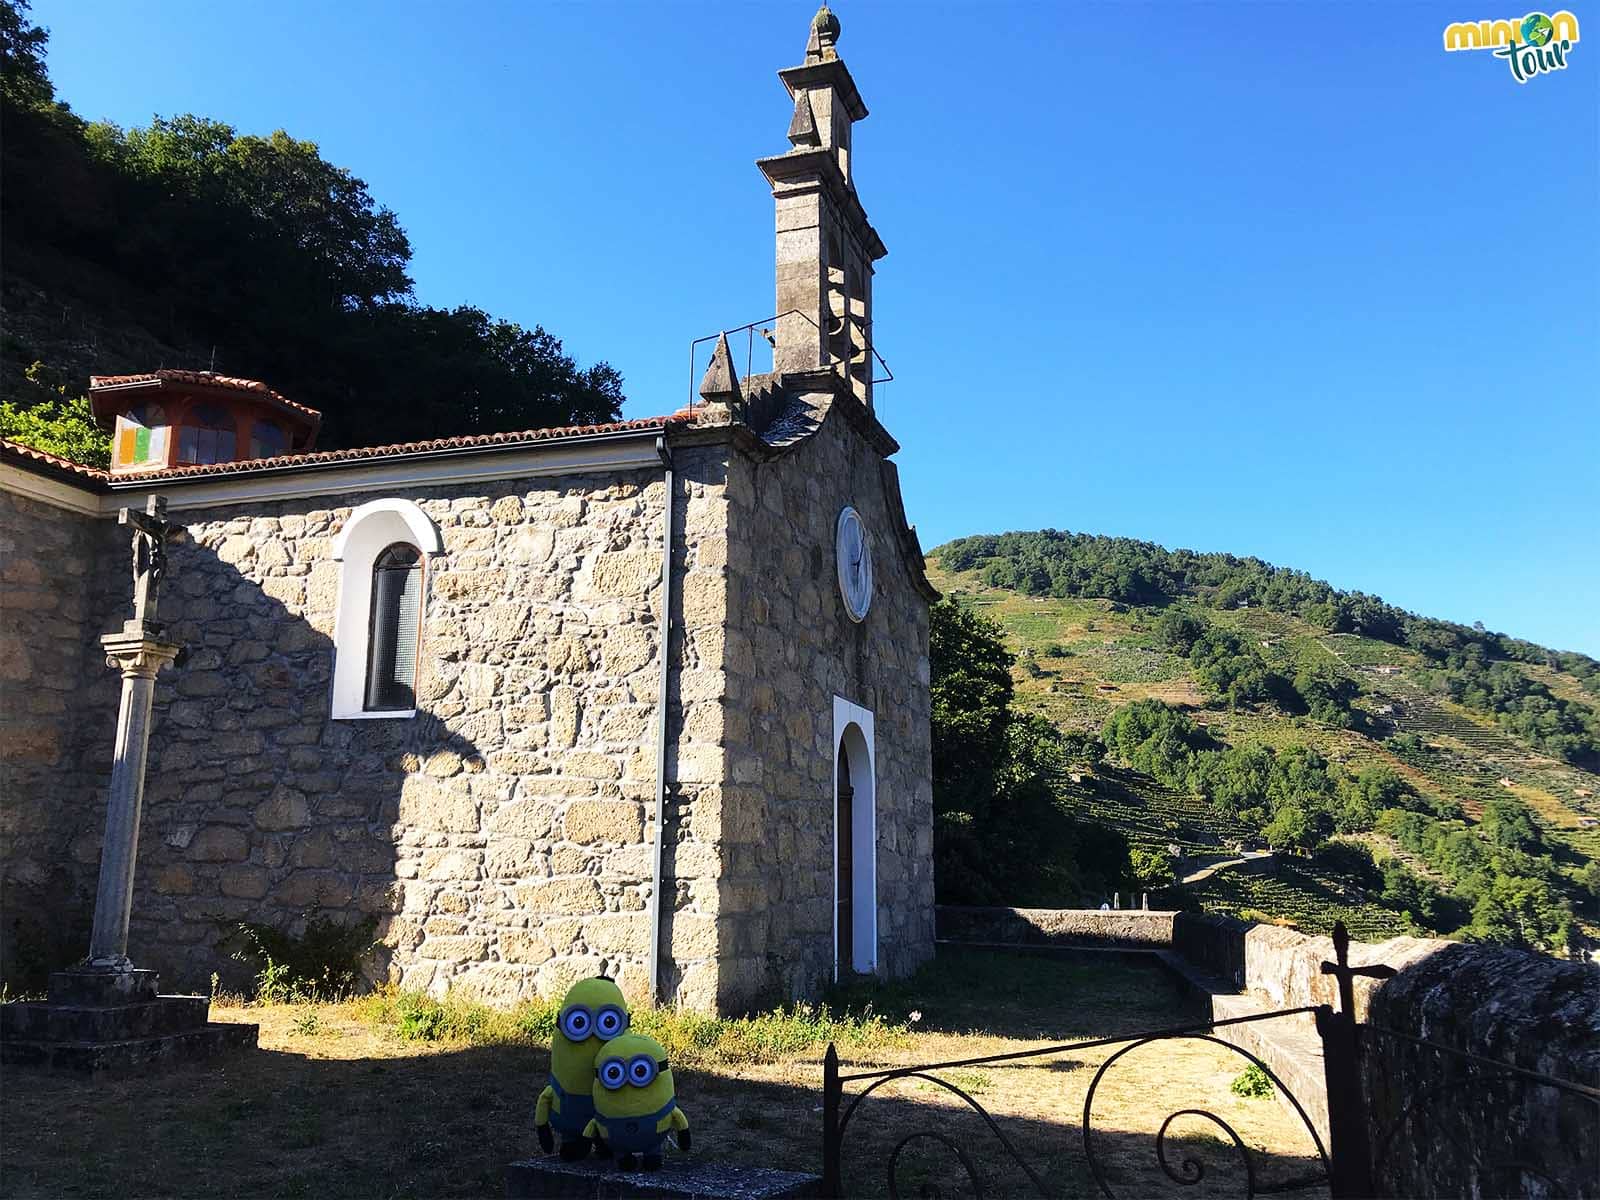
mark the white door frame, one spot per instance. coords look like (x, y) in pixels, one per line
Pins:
(851, 719)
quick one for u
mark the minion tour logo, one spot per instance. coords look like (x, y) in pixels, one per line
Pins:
(1531, 46)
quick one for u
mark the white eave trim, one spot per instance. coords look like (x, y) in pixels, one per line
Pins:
(630, 450)
(49, 490)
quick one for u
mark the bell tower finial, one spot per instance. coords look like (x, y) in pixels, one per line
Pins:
(824, 37)
(826, 245)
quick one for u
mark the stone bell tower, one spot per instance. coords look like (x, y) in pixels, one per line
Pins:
(826, 245)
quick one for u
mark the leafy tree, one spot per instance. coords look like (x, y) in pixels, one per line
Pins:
(971, 694)
(1151, 868)
(1369, 793)
(1521, 912)
(1180, 630)
(56, 423)
(1588, 878)
(1508, 824)
(1325, 692)
(1290, 829)
(23, 79)
(1003, 832)
(203, 237)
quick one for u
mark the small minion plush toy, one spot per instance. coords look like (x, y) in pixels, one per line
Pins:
(635, 1103)
(593, 1012)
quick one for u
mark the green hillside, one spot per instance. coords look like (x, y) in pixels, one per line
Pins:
(1425, 811)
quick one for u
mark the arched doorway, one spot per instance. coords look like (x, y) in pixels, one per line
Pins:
(855, 843)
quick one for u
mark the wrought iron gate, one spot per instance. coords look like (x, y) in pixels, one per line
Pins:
(1349, 1164)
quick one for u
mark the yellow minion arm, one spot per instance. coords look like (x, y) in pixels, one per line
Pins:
(541, 1111)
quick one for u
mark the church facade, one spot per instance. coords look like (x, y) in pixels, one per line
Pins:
(649, 698)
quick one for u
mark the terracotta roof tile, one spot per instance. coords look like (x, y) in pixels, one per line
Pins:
(52, 461)
(526, 437)
(224, 383)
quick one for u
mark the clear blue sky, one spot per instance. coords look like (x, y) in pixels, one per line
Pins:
(1277, 279)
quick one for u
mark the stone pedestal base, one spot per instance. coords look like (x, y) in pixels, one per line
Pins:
(681, 1177)
(106, 1021)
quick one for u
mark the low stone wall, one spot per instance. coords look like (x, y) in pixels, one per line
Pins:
(1055, 926)
(1525, 1009)
(1428, 1119)
(1214, 946)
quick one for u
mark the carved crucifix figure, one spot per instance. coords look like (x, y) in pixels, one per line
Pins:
(150, 531)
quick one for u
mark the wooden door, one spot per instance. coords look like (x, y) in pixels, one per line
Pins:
(844, 867)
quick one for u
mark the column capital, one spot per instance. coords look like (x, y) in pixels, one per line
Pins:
(137, 653)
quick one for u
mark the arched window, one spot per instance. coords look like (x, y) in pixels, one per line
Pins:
(392, 636)
(207, 435)
(383, 553)
(267, 440)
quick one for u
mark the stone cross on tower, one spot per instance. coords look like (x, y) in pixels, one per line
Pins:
(826, 245)
(139, 651)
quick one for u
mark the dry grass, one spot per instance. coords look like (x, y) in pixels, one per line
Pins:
(335, 1105)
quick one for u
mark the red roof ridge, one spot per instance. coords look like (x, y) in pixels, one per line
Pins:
(227, 383)
(461, 442)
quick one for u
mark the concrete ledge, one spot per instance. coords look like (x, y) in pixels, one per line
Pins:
(681, 1177)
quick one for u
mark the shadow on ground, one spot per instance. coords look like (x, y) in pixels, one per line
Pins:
(445, 1123)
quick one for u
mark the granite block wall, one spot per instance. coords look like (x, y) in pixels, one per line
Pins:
(791, 650)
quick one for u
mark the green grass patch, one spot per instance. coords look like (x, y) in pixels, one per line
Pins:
(691, 1038)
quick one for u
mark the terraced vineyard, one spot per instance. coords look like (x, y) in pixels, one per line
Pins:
(1153, 816)
(1080, 659)
(1302, 897)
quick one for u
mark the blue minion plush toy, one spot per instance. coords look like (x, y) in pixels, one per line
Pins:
(593, 1012)
(635, 1102)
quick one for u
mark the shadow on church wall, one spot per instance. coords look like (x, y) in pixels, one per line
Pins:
(258, 807)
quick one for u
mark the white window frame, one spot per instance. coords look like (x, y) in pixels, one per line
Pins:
(371, 529)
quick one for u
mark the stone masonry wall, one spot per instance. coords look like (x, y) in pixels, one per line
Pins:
(47, 559)
(501, 837)
(791, 649)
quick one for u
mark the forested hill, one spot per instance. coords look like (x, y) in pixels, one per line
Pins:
(186, 243)
(1147, 714)
(1481, 670)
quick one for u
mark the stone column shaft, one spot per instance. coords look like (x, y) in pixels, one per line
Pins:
(139, 658)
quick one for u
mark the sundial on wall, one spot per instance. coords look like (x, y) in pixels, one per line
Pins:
(854, 555)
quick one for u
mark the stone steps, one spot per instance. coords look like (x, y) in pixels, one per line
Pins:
(100, 1021)
(94, 1057)
(38, 1021)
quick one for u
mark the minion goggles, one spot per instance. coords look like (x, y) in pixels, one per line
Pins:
(579, 1023)
(640, 1071)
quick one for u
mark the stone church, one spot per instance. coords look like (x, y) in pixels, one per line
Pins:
(649, 697)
